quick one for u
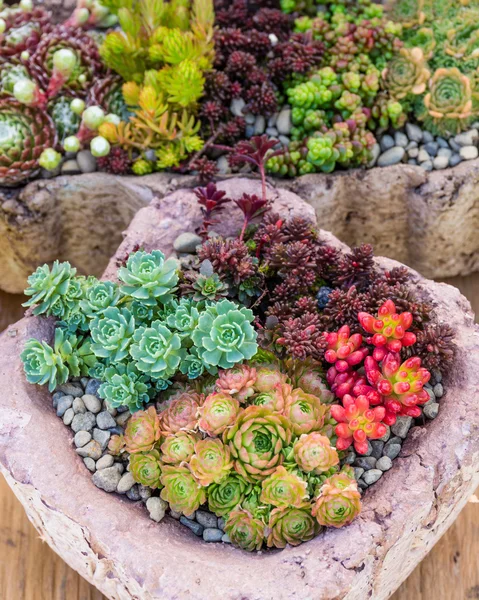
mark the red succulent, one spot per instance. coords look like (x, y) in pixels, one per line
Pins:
(344, 350)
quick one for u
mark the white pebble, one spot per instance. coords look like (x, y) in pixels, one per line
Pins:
(92, 403)
(469, 152)
(104, 462)
(125, 483)
(156, 508)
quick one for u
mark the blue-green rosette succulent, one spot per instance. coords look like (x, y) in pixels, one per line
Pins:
(124, 385)
(225, 336)
(112, 333)
(148, 277)
(157, 350)
(185, 318)
(98, 297)
(193, 366)
(48, 288)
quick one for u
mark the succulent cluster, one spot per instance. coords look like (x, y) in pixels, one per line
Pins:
(254, 446)
(435, 75)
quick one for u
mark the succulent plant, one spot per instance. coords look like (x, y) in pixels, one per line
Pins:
(148, 277)
(107, 93)
(211, 461)
(344, 350)
(124, 385)
(409, 12)
(229, 493)
(112, 333)
(23, 31)
(142, 431)
(283, 488)
(157, 350)
(25, 132)
(339, 501)
(275, 399)
(256, 441)
(267, 378)
(244, 530)
(313, 453)
(224, 335)
(462, 40)
(182, 413)
(42, 364)
(99, 296)
(304, 412)
(48, 287)
(291, 525)
(193, 367)
(66, 121)
(406, 73)
(218, 412)
(309, 376)
(181, 490)
(185, 318)
(116, 445)
(178, 448)
(237, 382)
(206, 287)
(146, 468)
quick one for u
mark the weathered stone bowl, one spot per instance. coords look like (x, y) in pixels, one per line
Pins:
(113, 544)
(426, 220)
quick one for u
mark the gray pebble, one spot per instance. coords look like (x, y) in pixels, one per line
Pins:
(70, 167)
(413, 153)
(123, 418)
(56, 398)
(226, 539)
(116, 430)
(150, 155)
(469, 152)
(89, 464)
(259, 125)
(427, 165)
(249, 131)
(383, 464)
(431, 148)
(365, 462)
(125, 483)
(109, 409)
(250, 118)
(92, 403)
(272, 120)
(84, 381)
(437, 375)
(402, 426)
(145, 492)
(105, 421)
(133, 494)
(223, 165)
(378, 447)
(442, 142)
(70, 389)
(467, 138)
(236, 107)
(414, 132)
(432, 397)
(68, 416)
(427, 137)
(386, 142)
(350, 458)
(362, 485)
(102, 437)
(206, 519)
(369, 451)
(372, 476)
(81, 438)
(411, 146)
(221, 523)
(272, 132)
(412, 161)
(393, 156)
(156, 508)
(423, 156)
(92, 387)
(83, 422)
(284, 140)
(431, 410)
(375, 152)
(447, 152)
(195, 527)
(455, 160)
(283, 122)
(91, 450)
(63, 405)
(358, 471)
(120, 467)
(392, 450)
(187, 242)
(454, 145)
(440, 162)
(212, 535)
(107, 479)
(78, 406)
(86, 161)
(401, 139)
(175, 514)
(387, 435)
(395, 440)
(105, 462)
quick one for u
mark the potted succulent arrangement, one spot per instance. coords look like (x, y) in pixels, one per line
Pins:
(266, 399)
(171, 91)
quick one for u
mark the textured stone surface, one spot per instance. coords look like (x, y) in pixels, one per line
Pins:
(426, 220)
(426, 488)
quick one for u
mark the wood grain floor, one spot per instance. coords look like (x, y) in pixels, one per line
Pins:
(29, 570)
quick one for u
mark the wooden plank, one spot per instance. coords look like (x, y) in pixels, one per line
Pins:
(30, 570)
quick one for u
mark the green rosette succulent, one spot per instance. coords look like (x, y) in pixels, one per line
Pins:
(116, 445)
(406, 73)
(47, 287)
(291, 525)
(208, 287)
(184, 319)
(67, 122)
(339, 500)
(224, 335)
(244, 530)
(112, 333)
(157, 350)
(193, 367)
(178, 448)
(275, 399)
(181, 490)
(283, 488)
(304, 412)
(267, 378)
(146, 468)
(218, 412)
(211, 461)
(256, 441)
(142, 431)
(98, 297)
(313, 453)
(148, 277)
(225, 496)
(144, 314)
(125, 386)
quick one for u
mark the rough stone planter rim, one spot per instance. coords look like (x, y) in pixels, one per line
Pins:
(113, 543)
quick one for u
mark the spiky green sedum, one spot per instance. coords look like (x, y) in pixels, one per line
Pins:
(48, 287)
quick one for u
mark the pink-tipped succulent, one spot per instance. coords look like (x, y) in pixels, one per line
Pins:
(182, 414)
(344, 350)
(275, 399)
(237, 382)
(304, 411)
(342, 383)
(388, 330)
(211, 461)
(142, 432)
(357, 422)
(401, 384)
(309, 376)
(218, 412)
(178, 448)
(339, 500)
(267, 378)
(313, 453)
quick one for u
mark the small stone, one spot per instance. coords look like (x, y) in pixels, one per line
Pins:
(156, 508)
(70, 389)
(469, 152)
(386, 142)
(414, 132)
(175, 514)
(442, 142)
(221, 523)
(92, 403)
(467, 138)
(86, 161)
(259, 125)
(206, 519)
(436, 373)
(372, 476)
(133, 493)
(362, 485)
(272, 132)
(427, 165)
(431, 410)
(369, 451)
(427, 137)
(70, 167)
(423, 156)
(395, 440)
(413, 153)
(83, 422)
(116, 430)
(250, 118)
(358, 471)
(393, 156)
(283, 122)
(212, 535)
(195, 527)
(285, 141)
(387, 435)
(120, 467)
(454, 145)
(102, 437)
(109, 409)
(412, 161)
(68, 416)
(89, 464)
(440, 162)
(56, 398)
(92, 386)
(236, 107)
(145, 492)
(78, 406)
(107, 479)
(84, 381)
(350, 458)
(272, 120)
(105, 462)
(63, 405)
(249, 131)
(226, 539)
(91, 450)
(378, 447)
(432, 397)
(123, 418)
(187, 242)
(82, 438)
(375, 152)
(392, 450)
(365, 462)
(455, 160)
(411, 146)
(125, 483)
(431, 148)
(223, 165)
(438, 390)
(105, 421)
(445, 152)
(401, 139)
(402, 426)
(383, 464)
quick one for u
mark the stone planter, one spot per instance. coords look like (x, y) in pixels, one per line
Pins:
(114, 545)
(426, 220)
